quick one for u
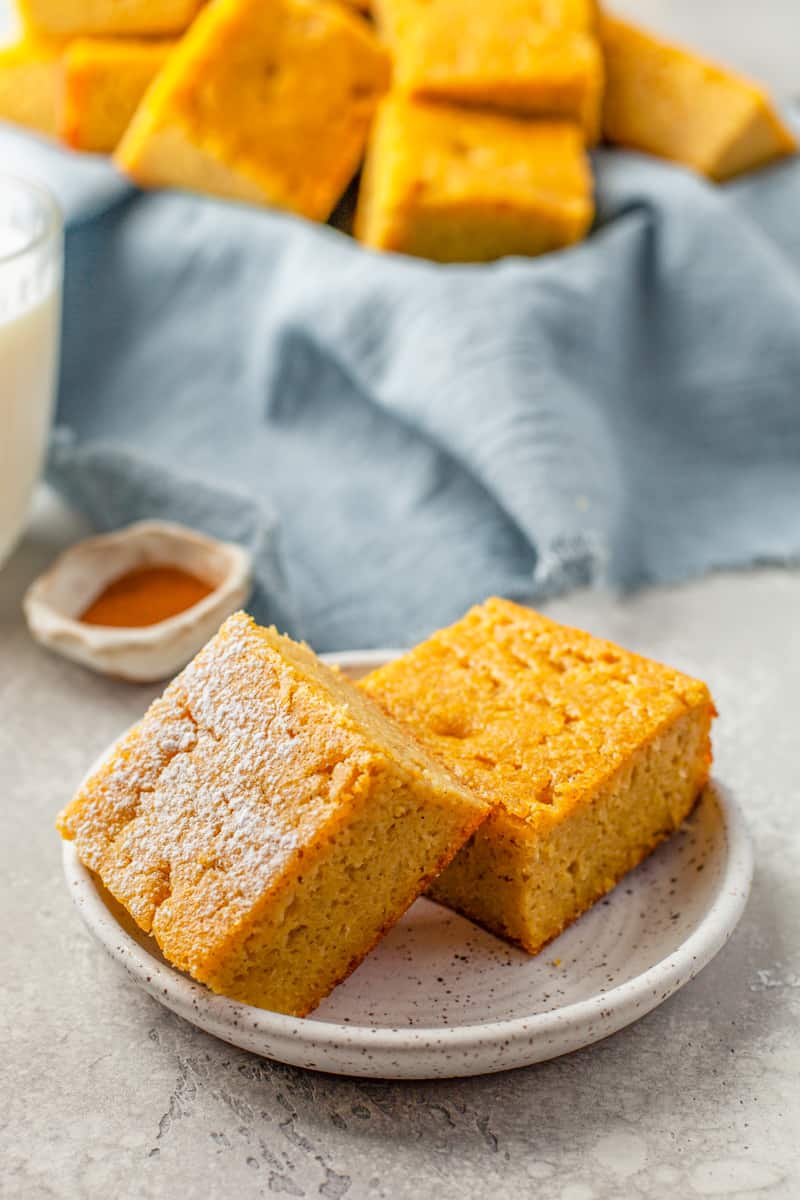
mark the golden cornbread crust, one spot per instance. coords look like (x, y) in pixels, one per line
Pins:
(591, 755)
(458, 185)
(30, 74)
(67, 18)
(668, 101)
(395, 18)
(530, 57)
(249, 93)
(103, 81)
(266, 822)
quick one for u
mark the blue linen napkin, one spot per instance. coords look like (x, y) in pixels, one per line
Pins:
(397, 439)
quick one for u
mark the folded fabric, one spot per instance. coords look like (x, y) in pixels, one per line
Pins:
(397, 439)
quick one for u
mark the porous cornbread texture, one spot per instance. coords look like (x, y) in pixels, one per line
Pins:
(30, 73)
(67, 18)
(589, 754)
(266, 821)
(667, 101)
(266, 102)
(103, 81)
(530, 57)
(458, 185)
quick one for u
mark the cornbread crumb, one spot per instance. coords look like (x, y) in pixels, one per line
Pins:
(670, 102)
(458, 185)
(103, 81)
(591, 755)
(266, 822)
(269, 103)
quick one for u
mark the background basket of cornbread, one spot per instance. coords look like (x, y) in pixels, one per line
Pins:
(472, 120)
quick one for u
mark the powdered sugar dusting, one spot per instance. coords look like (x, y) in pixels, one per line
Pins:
(204, 804)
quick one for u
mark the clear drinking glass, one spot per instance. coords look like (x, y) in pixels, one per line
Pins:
(31, 259)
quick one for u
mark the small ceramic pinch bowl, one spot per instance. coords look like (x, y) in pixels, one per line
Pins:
(55, 601)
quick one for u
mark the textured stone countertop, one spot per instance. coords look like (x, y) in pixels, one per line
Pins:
(105, 1094)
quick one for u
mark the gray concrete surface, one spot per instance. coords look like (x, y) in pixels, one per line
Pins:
(104, 1094)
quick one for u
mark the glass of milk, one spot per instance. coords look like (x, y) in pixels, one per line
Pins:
(31, 253)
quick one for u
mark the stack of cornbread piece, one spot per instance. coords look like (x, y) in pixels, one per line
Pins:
(480, 149)
(82, 66)
(268, 820)
(474, 117)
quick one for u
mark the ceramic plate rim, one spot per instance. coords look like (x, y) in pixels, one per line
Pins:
(654, 984)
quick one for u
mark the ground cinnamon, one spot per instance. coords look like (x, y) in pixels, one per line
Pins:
(144, 596)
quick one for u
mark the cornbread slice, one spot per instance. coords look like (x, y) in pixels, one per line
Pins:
(263, 102)
(590, 754)
(529, 57)
(103, 81)
(30, 74)
(458, 185)
(667, 101)
(394, 17)
(266, 821)
(68, 18)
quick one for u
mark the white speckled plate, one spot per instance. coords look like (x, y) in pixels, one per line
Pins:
(439, 997)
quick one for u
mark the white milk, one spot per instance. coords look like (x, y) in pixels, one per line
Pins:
(30, 304)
